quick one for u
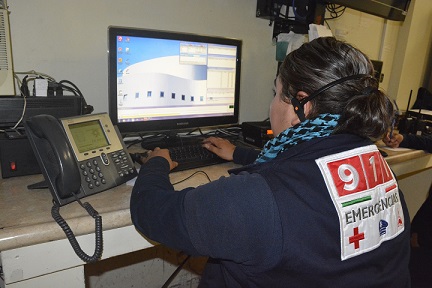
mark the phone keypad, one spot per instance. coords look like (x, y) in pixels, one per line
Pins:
(92, 174)
(106, 171)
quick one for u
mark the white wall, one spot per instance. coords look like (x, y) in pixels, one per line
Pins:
(373, 35)
(68, 40)
(404, 47)
(414, 45)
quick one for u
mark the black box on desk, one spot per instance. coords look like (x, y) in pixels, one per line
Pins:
(17, 157)
(11, 108)
(257, 133)
(416, 122)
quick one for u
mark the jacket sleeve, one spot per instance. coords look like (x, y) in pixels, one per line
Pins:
(157, 210)
(417, 142)
(233, 218)
(245, 155)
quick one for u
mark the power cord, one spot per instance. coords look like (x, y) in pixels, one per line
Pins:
(85, 108)
(23, 110)
(335, 11)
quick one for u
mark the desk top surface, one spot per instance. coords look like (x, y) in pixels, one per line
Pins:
(25, 215)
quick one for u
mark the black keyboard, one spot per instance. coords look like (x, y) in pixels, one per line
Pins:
(193, 156)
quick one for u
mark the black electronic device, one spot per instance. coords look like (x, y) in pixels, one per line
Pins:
(83, 155)
(298, 11)
(417, 121)
(257, 133)
(16, 155)
(13, 108)
(162, 80)
(389, 9)
(290, 16)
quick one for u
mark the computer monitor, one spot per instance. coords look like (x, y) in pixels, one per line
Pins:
(162, 80)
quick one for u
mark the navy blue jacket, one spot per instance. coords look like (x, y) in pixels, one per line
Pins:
(417, 142)
(421, 223)
(275, 224)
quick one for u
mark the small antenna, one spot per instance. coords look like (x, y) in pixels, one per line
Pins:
(423, 96)
(409, 100)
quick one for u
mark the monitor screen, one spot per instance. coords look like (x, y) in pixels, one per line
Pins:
(160, 80)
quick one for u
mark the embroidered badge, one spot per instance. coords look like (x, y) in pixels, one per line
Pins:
(366, 197)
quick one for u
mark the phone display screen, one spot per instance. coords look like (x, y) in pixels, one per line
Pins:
(88, 135)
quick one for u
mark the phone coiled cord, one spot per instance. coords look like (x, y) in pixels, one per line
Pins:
(55, 212)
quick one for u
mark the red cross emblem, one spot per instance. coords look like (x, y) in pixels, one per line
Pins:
(356, 238)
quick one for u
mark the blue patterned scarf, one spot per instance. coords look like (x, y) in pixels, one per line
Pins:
(321, 126)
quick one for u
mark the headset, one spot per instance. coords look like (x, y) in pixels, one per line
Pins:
(299, 104)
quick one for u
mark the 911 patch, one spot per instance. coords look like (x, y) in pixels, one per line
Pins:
(366, 197)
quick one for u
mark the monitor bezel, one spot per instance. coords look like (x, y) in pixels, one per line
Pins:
(170, 124)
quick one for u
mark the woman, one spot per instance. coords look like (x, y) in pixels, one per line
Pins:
(318, 207)
(421, 228)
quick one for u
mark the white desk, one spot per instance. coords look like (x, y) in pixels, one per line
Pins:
(34, 250)
(35, 253)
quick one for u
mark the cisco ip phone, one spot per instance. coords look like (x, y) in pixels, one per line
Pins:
(79, 156)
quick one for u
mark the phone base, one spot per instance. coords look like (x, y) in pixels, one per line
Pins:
(39, 185)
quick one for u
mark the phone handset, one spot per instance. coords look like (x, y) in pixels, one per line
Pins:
(61, 171)
(59, 162)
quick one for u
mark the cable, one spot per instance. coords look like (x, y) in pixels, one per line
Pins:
(25, 92)
(22, 116)
(335, 11)
(85, 108)
(193, 174)
(20, 87)
(55, 212)
(298, 16)
(174, 274)
(35, 73)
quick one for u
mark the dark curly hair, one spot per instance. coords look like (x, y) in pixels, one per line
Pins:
(364, 109)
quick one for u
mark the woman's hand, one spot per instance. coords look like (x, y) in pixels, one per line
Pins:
(162, 153)
(394, 141)
(221, 147)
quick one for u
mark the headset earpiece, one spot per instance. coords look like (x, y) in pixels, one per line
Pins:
(298, 108)
(299, 105)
